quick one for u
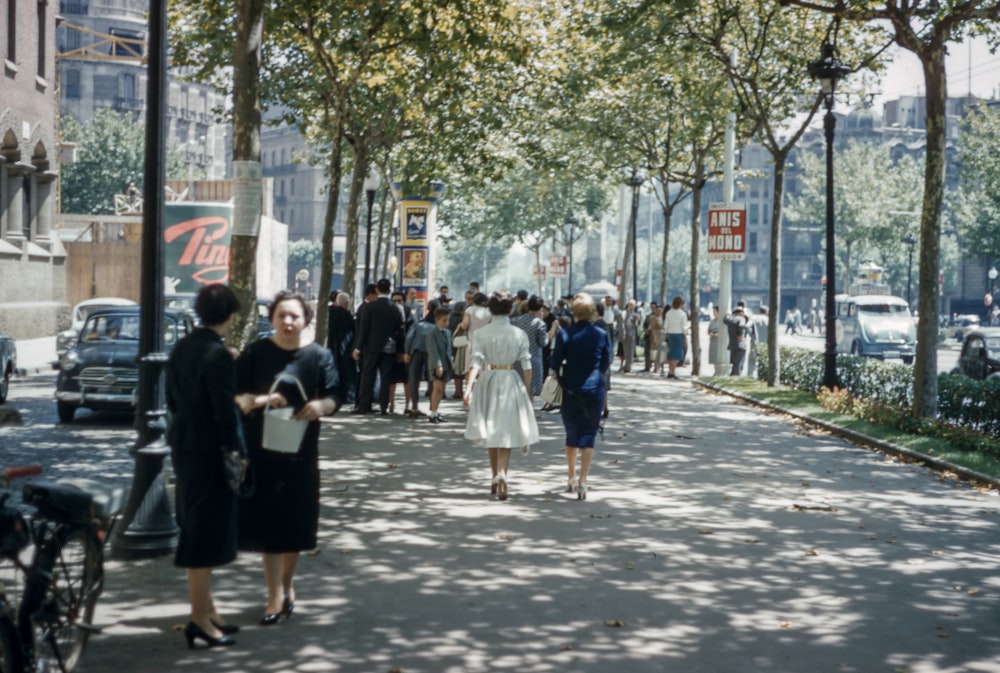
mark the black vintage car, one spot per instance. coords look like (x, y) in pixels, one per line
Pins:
(980, 357)
(100, 370)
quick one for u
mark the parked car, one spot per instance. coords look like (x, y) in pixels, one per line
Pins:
(980, 356)
(183, 302)
(68, 337)
(961, 325)
(8, 364)
(101, 370)
(875, 326)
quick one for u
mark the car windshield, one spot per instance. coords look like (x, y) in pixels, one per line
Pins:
(84, 312)
(103, 327)
(885, 310)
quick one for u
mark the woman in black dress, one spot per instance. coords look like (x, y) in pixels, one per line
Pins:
(204, 421)
(281, 518)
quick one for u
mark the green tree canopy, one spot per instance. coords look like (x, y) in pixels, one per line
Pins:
(110, 151)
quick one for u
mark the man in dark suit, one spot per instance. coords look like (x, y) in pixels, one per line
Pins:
(378, 344)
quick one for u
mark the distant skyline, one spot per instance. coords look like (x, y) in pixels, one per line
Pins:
(970, 68)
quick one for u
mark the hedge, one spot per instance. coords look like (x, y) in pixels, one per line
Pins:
(966, 407)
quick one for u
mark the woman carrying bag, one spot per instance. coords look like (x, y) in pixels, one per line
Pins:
(204, 425)
(281, 518)
(581, 356)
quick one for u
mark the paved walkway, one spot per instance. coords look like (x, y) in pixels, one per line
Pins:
(715, 538)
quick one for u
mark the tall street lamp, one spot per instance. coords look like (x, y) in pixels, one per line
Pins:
(910, 241)
(146, 527)
(992, 275)
(829, 70)
(571, 223)
(372, 183)
(635, 182)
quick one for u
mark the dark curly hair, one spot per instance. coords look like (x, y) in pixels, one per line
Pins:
(215, 303)
(286, 295)
(500, 303)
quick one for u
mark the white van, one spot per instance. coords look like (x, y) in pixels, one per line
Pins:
(877, 326)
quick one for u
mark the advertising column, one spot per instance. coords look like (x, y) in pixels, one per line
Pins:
(417, 232)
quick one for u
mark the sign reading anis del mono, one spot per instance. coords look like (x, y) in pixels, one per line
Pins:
(727, 231)
(196, 239)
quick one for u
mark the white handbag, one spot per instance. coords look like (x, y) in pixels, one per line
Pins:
(552, 392)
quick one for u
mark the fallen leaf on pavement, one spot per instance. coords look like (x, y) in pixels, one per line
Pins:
(345, 551)
(705, 531)
(503, 536)
(785, 625)
(811, 552)
(314, 552)
(566, 648)
(814, 508)
(392, 466)
(600, 516)
(614, 623)
(751, 540)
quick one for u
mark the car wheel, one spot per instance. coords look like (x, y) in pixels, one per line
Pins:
(4, 387)
(66, 412)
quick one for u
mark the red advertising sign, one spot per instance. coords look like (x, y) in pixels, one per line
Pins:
(557, 266)
(727, 231)
(196, 240)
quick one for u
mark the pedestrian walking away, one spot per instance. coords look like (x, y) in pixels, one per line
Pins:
(281, 518)
(580, 357)
(440, 363)
(500, 413)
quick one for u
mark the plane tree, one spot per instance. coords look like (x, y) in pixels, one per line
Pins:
(924, 28)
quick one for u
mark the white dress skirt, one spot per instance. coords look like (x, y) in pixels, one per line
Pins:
(500, 411)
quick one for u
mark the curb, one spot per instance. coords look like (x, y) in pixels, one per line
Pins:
(862, 439)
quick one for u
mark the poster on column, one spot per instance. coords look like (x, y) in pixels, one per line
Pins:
(414, 267)
(196, 238)
(416, 222)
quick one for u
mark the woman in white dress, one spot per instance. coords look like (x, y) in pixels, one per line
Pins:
(500, 413)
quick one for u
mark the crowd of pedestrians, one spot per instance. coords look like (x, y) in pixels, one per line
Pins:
(493, 351)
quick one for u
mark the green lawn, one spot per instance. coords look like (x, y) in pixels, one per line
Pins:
(805, 403)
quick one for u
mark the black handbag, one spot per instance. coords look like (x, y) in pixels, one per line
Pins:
(238, 472)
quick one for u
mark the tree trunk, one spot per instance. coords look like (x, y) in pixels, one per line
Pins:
(774, 291)
(329, 220)
(246, 166)
(694, 309)
(925, 377)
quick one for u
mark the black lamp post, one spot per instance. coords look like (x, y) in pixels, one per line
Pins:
(372, 183)
(570, 222)
(635, 182)
(910, 241)
(992, 275)
(829, 70)
(147, 527)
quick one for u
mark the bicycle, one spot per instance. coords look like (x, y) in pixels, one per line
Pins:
(60, 552)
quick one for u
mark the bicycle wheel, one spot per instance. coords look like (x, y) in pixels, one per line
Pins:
(10, 653)
(62, 623)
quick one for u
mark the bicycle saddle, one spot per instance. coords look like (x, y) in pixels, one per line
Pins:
(56, 502)
(108, 500)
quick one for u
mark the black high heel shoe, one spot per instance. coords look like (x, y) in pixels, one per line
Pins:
(227, 629)
(194, 632)
(287, 607)
(270, 619)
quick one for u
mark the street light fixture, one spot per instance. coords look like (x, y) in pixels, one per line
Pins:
(372, 183)
(829, 70)
(992, 275)
(910, 241)
(570, 222)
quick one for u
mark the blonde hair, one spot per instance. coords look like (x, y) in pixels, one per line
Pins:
(583, 308)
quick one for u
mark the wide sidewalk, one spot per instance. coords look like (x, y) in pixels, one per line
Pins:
(716, 538)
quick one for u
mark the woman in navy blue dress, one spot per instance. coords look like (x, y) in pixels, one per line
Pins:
(581, 356)
(281, 518)
(204, 422)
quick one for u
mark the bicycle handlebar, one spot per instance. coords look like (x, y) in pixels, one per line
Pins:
(10, 473)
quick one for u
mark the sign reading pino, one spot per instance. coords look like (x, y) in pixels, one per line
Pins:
(196, 239)
(727, 231)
